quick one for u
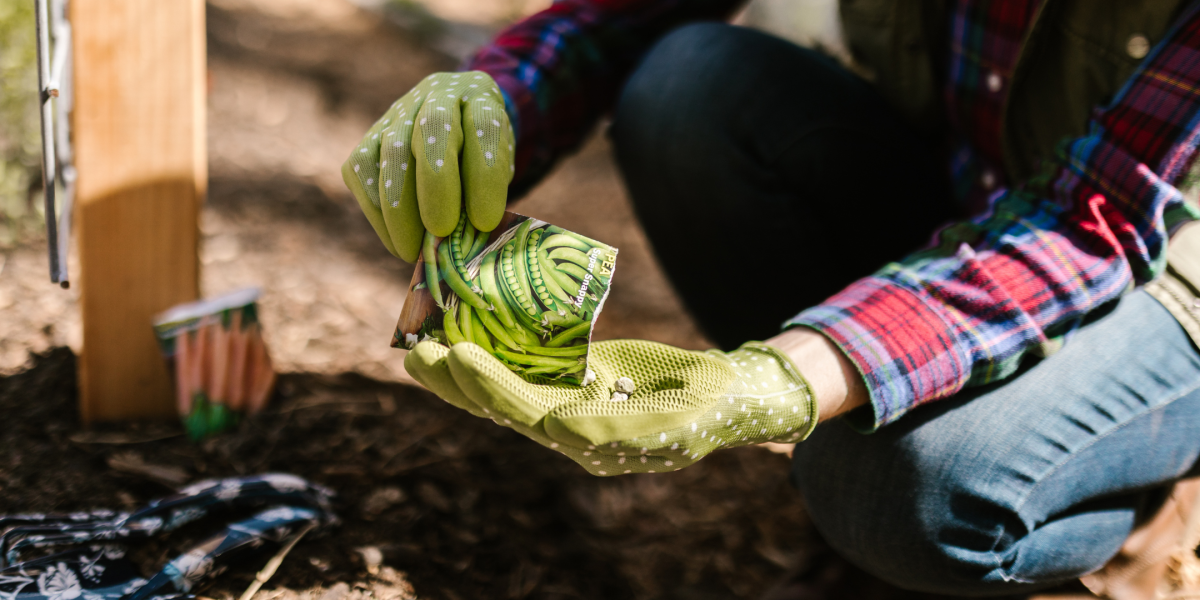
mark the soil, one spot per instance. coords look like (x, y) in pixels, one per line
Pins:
(458, 507)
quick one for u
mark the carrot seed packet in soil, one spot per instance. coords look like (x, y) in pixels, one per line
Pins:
(527, 292)
(216, 353)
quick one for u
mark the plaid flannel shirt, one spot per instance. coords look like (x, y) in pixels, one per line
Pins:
(1014, 280)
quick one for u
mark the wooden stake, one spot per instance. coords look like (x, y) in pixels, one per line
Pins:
(139, 124)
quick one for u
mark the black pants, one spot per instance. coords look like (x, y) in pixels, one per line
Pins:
(767, 176)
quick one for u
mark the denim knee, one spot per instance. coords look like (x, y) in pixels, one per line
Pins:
(897, 508)
(925, 519)
(1018, 485)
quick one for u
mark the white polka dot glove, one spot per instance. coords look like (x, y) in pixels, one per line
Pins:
(406, 173)
(650, 408)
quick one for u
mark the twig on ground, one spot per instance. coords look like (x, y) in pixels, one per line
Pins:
(272, 565)
(132, 463)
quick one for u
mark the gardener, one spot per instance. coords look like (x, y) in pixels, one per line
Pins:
(1047, 328)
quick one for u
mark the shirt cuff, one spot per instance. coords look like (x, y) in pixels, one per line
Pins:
(904, 349)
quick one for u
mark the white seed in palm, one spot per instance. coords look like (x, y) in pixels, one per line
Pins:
(624, 385)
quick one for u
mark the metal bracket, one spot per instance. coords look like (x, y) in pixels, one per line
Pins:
(53, 73)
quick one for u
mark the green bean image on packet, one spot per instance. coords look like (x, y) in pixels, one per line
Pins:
(528, 292)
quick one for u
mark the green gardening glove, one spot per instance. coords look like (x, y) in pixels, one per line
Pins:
(650, 408)
(406, 173)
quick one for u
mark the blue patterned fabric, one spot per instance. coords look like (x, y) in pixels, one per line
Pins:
(94, 565)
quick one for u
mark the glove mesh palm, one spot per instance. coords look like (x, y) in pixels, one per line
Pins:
(406, 175)
(684, 406)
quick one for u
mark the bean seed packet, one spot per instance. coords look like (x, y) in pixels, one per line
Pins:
(528, 292)
(215, 351)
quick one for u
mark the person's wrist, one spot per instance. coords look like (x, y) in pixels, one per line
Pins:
(835, 381)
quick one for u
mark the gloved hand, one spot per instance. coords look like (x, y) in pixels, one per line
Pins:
(405, 173)
(680, 405)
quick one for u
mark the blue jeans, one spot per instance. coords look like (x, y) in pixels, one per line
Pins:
(1023, 484)
(1004, 489)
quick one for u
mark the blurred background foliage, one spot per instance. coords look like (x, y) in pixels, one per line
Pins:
(20, 140)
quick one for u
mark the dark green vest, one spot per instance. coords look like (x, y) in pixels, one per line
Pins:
(1075, 57)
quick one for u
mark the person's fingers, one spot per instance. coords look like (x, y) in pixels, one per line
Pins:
(427, 364)
(487, 154)
(660, 411)
(406, 174)
(370, 210)
(608, 465)
(397, 182)
(437, 140)
(596, 463)
(651, 421)
(509, 398)
(515, 403)
(361, 173)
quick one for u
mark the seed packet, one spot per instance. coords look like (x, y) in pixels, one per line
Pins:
(214, 349)
(528, 292)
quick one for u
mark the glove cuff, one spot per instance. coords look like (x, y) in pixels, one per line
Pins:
(767, 380)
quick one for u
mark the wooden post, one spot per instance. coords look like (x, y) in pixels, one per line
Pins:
(139, 128)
